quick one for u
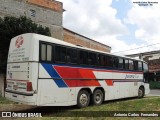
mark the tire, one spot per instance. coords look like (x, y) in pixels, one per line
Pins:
(83, 99)
(97, 97)
(141, 92)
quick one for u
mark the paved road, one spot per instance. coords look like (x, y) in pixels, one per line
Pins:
(155, 92)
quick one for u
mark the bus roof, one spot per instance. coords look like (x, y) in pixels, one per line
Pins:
(61, 42)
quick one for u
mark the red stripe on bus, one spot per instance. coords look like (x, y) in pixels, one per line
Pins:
(70, 72)
(109, 82)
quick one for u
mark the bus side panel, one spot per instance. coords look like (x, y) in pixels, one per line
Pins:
(51, 94)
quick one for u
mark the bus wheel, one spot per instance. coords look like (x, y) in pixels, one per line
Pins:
(83, 99)
(141, 92)
(97, 97)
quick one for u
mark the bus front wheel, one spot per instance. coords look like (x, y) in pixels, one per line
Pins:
(141, 92)
(83, 99)
(97, 97)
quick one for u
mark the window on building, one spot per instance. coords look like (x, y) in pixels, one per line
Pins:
(83, 57)
(72, 55)
(33, 12)
(92, 59)
(131, 65)
(126, 64)
(60, 54)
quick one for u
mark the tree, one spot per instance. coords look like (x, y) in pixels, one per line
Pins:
(11, 27)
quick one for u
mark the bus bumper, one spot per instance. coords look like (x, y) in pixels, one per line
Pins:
(28, 100)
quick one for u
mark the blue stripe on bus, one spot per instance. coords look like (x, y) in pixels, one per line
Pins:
(52, 72)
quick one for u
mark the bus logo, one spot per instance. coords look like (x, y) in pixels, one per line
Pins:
(19, 42)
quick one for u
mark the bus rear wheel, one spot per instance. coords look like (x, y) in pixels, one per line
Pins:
(97, 97)
(141, 92)
(83, 99)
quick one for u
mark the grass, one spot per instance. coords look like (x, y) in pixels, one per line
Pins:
(154, 85)
(130, 105)
(3, 100)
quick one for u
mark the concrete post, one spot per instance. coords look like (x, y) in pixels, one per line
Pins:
(2, 84)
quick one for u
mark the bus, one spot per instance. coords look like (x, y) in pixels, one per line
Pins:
(44, 71)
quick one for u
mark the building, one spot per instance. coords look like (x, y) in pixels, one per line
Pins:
(80, 40)
(153, 60)
(45, 12)
(48, 13)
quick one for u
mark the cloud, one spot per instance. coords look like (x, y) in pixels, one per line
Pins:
(97, 20)
(90, 18)
(147, 21)
(94, 19)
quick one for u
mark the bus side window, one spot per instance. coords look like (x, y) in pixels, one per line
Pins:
(140, 66)
(83, 57)
(46, 52)
(60, 54)
(43, 52)
(115, 62)
(92, 59)
(135, 65)
(145, 67)
(131, 66)
(49, 53)
(72, 56)
(120, 64)
(101, 60)
(126, 64)
(109, 61)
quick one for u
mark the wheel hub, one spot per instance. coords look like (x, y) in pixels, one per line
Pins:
(83, 99)
(98, 98)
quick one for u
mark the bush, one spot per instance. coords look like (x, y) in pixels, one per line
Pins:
(11, 27)
(154, 85)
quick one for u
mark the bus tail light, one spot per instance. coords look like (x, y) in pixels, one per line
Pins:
(29, 86)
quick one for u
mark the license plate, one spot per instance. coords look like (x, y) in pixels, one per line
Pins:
(15, 87)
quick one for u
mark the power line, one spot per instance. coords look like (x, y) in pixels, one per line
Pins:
(137, 48)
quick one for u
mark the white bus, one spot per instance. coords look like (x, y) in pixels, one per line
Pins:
(44, 71)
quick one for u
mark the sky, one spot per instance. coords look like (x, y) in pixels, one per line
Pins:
(121, 24)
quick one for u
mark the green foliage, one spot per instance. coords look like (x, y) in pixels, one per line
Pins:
(154, 85)
(11, 27)
(3, 100)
